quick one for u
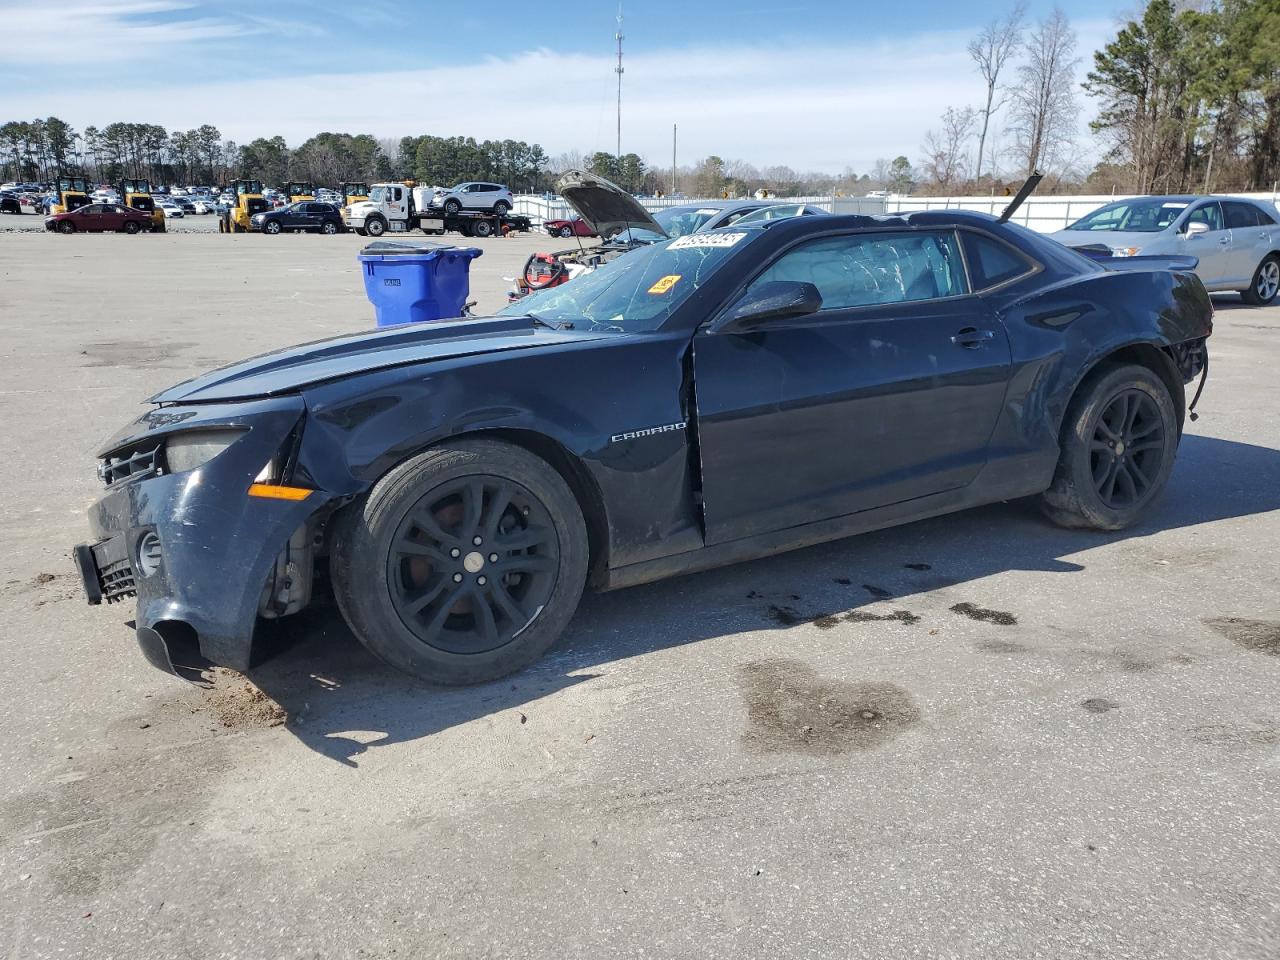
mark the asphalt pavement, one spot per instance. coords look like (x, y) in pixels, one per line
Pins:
(978, 736)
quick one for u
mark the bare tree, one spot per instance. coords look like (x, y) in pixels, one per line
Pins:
(990, 50)
(944, 160)
(1044, 100)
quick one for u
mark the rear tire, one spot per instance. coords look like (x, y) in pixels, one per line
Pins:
(131, 227)
(421, 594)
(502, 208)
(1265, 283)
(483, 228)
(329, 228)
(1119, 439)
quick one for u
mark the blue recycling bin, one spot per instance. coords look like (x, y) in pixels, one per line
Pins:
(413, 281)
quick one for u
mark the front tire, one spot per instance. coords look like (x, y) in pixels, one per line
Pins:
(422, 594)
(1119, 439)
(452, 207)
(66, 226)
(375, 227)
(1265, 284)
(272, 227)
(566, 232)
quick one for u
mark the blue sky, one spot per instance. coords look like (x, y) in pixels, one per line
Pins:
(815, 85)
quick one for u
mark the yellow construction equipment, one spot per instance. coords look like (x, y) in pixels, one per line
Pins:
(137, 194)
(248, 201)
(72, 192)
(354, 192)
(299, 190)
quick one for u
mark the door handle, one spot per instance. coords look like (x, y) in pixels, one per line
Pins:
(1224, 241)
(972, 337)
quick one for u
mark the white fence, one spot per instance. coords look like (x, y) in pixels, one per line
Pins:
(1044, 214)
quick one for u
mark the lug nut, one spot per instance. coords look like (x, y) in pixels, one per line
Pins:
(482, 580)
(455, 552)
(457, 578)
(477, 540)
(493, 558)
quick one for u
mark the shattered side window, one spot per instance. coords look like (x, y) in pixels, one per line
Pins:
(638, 290)
(866, 269)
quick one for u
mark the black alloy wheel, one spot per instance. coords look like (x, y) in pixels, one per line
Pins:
(1127, 448)
(472, 563)
(463, 563)
(1118, 442)
(66, 226)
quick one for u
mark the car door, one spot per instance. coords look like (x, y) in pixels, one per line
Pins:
(91, 218)
(1211, 248)
(890, 392)
(1250, 239)
(112, 217)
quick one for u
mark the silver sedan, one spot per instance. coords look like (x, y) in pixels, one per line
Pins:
(1236, 240)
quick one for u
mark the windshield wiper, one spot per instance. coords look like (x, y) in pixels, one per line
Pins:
(556, 325)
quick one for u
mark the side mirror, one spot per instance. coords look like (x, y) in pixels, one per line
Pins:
(779, 298)
(1195, 228)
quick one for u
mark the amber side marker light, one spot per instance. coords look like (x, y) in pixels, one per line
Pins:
(276, 491)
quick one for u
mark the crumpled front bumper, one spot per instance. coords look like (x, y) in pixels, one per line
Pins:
(216, 544)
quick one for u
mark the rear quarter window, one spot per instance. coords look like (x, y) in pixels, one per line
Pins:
(992, 262)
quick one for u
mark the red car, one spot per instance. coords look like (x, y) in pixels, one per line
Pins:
(100, 217)
(568, 228)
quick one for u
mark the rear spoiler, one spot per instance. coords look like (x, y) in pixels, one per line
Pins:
(1103, 257)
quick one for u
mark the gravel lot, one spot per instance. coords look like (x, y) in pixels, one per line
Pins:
(1024, 742)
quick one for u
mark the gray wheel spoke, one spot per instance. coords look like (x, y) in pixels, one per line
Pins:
(522, 563)
(1141, 481)
(436, 623)
(1149, 428)
(530, 536)
(415, 605)
(412, 548)
(508, 603)
(428, 525)
(485, 622)
(498, 503)
(472, 504)
(1109, 484)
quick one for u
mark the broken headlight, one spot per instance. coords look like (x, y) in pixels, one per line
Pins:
(194, 448)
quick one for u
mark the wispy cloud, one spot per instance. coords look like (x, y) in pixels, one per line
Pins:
(114, 30)
(812, 106)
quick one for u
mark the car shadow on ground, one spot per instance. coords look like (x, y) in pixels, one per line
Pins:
(330, 686)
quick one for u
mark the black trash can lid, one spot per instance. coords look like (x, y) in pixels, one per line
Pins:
(404, 248)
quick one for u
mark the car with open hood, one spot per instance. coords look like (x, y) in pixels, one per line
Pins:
(615, 215)
(699, 401)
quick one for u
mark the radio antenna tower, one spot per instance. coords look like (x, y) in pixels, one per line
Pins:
(618, 70)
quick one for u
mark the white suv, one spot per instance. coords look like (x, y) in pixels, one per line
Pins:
(475, 196)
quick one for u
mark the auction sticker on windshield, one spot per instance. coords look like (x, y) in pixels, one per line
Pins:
(665, 283)
(706, 240)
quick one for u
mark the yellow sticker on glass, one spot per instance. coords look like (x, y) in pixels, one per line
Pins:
(665, 284)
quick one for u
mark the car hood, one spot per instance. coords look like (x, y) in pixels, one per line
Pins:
(285, 371)
(1109, 238)
(606, 207)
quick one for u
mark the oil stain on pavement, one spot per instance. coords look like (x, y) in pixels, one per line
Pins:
(1260, 636)
(790, 709)
(983, 615)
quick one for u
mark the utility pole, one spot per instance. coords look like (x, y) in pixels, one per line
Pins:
(673, 160)
(618, 70)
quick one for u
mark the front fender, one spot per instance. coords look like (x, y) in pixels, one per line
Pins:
(594, 399)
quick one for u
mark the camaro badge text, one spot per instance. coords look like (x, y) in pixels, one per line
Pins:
(647, 432)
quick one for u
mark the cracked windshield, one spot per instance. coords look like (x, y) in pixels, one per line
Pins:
(635, 292)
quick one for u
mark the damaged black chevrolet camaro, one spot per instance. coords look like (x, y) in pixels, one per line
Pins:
(701, 401)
